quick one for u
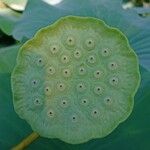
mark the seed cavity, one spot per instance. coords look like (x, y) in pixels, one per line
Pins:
(70, 41)
(105, 52)
(113, 81)
(95, 113)
(107, 100)
(51, 70)
(66, 73)
(77, 54)
(61, 86)
(50, 113)
(54, 49)
(112, 66)
(91, 59)
(48, 91)
(40, 62)
(82, 71)
(97, 74)
(35, 83)
(37, 101)
(90, 44)
(81, 87)
(74, 118)
(84, 101)
(64, 103)
(64, 59)
(98, 90)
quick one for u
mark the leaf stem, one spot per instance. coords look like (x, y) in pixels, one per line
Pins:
(27, 141)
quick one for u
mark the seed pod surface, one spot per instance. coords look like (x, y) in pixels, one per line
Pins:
(75, 80)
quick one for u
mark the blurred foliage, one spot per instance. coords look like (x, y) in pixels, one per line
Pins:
(18, 5)
(138, 3)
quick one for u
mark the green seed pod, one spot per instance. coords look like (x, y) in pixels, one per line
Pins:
(75, 80)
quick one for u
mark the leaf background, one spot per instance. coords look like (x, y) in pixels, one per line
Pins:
(134, 133)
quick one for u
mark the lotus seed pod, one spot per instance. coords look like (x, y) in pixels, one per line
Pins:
(75, 80)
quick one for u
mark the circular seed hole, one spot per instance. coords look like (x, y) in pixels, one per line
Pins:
(54, 49)
(90, 44)
(98, 90)
(112, 66)
(64, 59)
(113, 81)
(50, 113)
(51, 70)
(35, 83)
(70, 41)
(37, 101)
(40, 62)
(66, 73)
(107, 100)
(61, 86)
(82, 71)
(48, 91)
(77, 54)
(105, 52)
(74, 118)
(95, 113)
(91, 59)
(97, 74)
(81, 87)
(84, 101)
(64, 103)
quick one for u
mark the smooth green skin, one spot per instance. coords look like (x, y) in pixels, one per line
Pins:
(74, 122)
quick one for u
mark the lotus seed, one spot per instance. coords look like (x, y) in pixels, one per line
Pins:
(95, 113)
(70, 41)
(113, 81)
(48, 91)
(91, 59)
(66, 73)
(97, 74)
(74, 118)
(37, 102)
(82, 71)
(35, 83)
(64, 103)
(61, 86)
(108, 100)
(40, 62)
(81, 87)
(64, 59)
(105, 52)
(84, 101)
(90, 44)
(51, 70)
(50, 113)
(54, 49)
(98, 90)
(112, 66)
(77, 54)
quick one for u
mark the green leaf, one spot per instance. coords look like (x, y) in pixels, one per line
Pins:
(133, 134)
(8, 58)
(8, 19)
(39, 14)
(12, 128)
